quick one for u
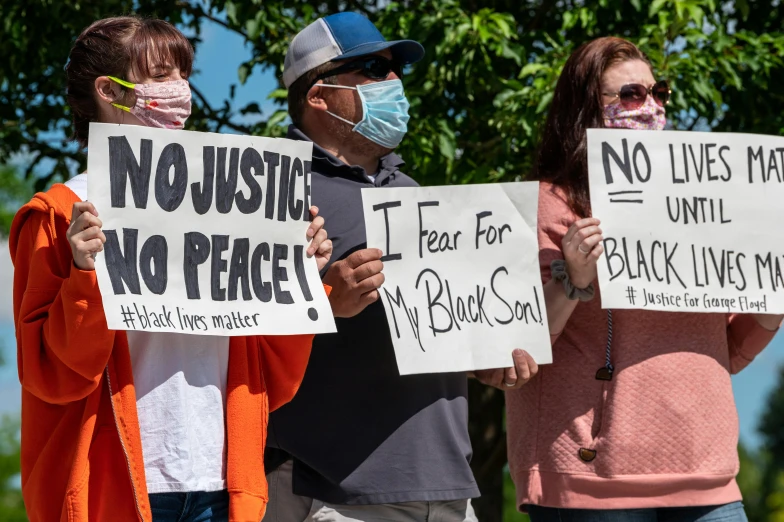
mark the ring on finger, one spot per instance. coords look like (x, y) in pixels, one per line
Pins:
(580, 248)
(509, 385)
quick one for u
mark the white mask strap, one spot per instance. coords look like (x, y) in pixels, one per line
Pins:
(336, 86)
(339, 87)
(341, 119)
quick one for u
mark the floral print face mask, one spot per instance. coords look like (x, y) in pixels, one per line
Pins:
(164, 105)
(649, 116)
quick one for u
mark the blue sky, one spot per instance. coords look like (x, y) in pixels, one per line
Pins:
(217, 61)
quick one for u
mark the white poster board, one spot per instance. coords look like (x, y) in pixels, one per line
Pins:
(205, 232)
(691, 220)
(461, 263)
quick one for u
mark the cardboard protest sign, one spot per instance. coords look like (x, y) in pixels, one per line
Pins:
(461, 263)
(205, 233)
(691, 220)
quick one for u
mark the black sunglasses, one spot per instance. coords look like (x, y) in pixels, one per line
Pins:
(373, 67)
(633, 95)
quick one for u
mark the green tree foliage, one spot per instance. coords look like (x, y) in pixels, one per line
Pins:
(14, 191)
(11, 505)
(478, 99)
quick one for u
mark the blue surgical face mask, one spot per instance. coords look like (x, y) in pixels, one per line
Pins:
(385, 112)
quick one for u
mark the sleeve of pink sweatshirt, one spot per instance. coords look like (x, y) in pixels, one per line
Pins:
(746, 338)
(554, 219)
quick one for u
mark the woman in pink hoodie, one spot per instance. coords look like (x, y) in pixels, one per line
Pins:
(635, 420)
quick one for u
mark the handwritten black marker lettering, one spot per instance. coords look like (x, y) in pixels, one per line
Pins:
(239, 269)
(121, 262)
(272, 159)
(262, 289)
(280, 274)
(196, 252)
(774, 270)
(698, 169)
(433, 300)
(640, 148)
(422, 232)
(624, 164)
(251, 165)
(411, 314)
(169, 193)
(498, 296)
(675, 179)
(302, 278)
(728, 174)
(389, 256)
(153, 263)
(201, 192)
(491, 234)
(123, 166)
(710, 161)
(306, 215)
(283, 187)
(295, 205)
(773, 166)
(700, 209)
(614, 258)
(226, 181)
(220, 244)
(754, 155)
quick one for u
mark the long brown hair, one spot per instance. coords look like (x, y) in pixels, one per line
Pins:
(113, 47)
(576, 106)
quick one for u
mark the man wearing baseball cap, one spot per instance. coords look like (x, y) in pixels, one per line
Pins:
(359, 442)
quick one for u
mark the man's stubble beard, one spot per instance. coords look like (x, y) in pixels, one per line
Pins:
(354, 142)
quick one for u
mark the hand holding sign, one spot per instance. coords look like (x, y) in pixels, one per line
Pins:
(355, 282)
(582, 248)
(85, 235)
(523, 369)
(320, 245)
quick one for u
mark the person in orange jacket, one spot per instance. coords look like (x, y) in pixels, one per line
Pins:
(133, 426)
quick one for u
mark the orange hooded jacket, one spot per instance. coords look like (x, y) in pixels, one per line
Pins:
(81, 448)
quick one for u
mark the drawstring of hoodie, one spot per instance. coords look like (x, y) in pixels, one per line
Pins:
(605, 373)
(51, 222)
(608, 351)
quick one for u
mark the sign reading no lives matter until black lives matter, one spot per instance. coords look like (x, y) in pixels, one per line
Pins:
(692, 221)
(462, 286)
(205, 233)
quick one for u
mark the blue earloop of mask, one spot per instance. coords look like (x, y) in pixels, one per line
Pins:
(385, 112)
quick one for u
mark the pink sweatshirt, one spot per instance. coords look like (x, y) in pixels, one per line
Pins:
(665, 429)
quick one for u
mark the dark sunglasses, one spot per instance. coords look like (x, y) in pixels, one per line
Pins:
(373, 67)
(633, 95)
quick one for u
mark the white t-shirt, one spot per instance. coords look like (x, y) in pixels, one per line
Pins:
(180, 385)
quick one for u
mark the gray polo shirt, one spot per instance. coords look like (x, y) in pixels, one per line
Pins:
(360, 433)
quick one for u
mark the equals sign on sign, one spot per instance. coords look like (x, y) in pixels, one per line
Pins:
(626, 196)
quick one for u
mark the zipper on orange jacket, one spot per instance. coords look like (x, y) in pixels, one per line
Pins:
(122, 443)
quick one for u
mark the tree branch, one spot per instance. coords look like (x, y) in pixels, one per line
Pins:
(198, 11)
(221, 120)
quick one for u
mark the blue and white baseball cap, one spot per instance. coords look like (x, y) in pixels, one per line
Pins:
(339, 37)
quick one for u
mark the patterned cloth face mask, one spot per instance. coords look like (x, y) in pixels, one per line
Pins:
(649, 116)
(385, 109)
(165, 105)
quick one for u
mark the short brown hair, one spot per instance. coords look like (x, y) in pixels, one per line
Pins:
(112, 47)
(577, 106)
(298, 91)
